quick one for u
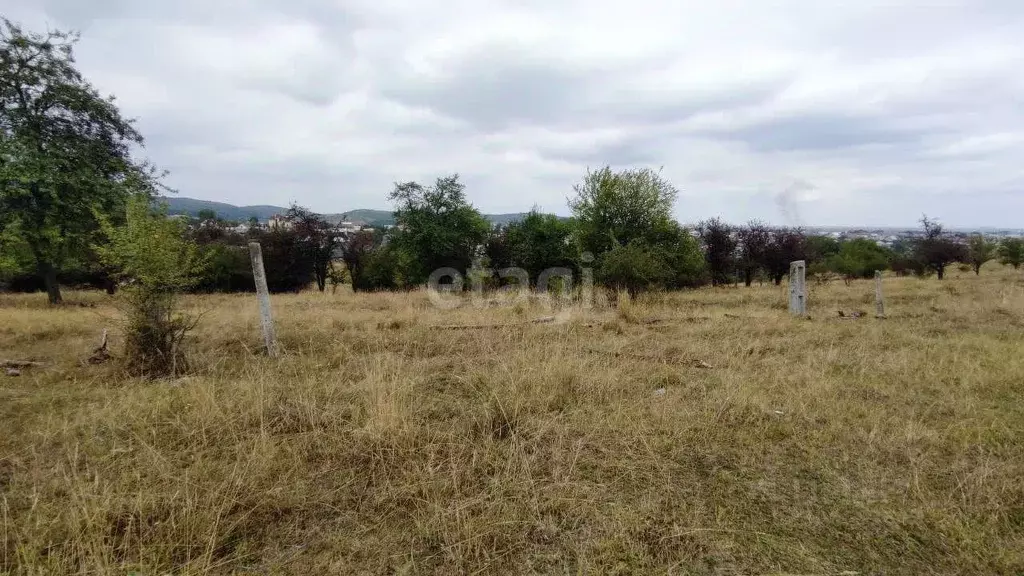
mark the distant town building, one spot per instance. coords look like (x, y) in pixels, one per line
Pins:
(348, 227)
(279, 221)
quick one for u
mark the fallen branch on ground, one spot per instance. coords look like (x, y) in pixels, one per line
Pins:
(20, 364)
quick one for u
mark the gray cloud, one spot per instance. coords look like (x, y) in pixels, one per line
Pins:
(822, 132)
(495, 91)
(822, 112)
(500, 87)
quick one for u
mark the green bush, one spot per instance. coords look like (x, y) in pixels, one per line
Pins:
(634, 268)
(859, 258)
(380, 269)
(151, 254)
(535, 243)
(229, 269)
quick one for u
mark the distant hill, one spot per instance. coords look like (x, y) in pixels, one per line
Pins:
(364, 217)
(191, 207)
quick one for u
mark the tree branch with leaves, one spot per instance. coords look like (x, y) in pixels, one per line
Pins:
(65, 150)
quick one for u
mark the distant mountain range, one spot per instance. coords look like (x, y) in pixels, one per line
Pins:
(364, 217)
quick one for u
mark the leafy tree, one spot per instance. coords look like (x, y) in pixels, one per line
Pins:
(287, 262)
(719, 249)
(786, 246)
(616, 208)
(979, 251)
(18, 271)
(821, 248)
(502, 247)
(436, 227)
(935, 250)
(354, 249)
(534, 243)
(151, 253)
(859, 258)
(625, 219)
(317, 239)
(364, 257)
(206, 214)
(754, 240)
(1011, 251)
(15, 256)
(64, 151)
(381, 268)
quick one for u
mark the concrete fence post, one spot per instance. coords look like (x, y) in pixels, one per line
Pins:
(798, 288)
(259, 275)
(879, 301)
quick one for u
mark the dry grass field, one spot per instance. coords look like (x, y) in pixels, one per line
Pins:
(701, 432)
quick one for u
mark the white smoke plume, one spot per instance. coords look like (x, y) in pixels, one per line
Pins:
(788, 201)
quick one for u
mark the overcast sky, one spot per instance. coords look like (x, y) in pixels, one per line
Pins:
(807, 112)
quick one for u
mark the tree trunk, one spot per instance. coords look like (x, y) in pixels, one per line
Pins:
(49, 274)
(748, 277)
(322, 269)
(940, 271)
(977, 269)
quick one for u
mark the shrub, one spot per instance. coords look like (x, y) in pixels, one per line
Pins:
(1011, 251)
(680, 252)
(633, 268)
(380, 269)
(151, 254)
(229, 269)
(904, 265)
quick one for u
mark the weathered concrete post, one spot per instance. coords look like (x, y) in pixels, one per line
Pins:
(879, 302)
(798, 288)
(260, 277)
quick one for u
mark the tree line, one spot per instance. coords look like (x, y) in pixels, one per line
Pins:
(621, 229)
(68, 174)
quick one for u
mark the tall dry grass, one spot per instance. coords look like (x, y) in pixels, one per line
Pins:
(702, 432)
